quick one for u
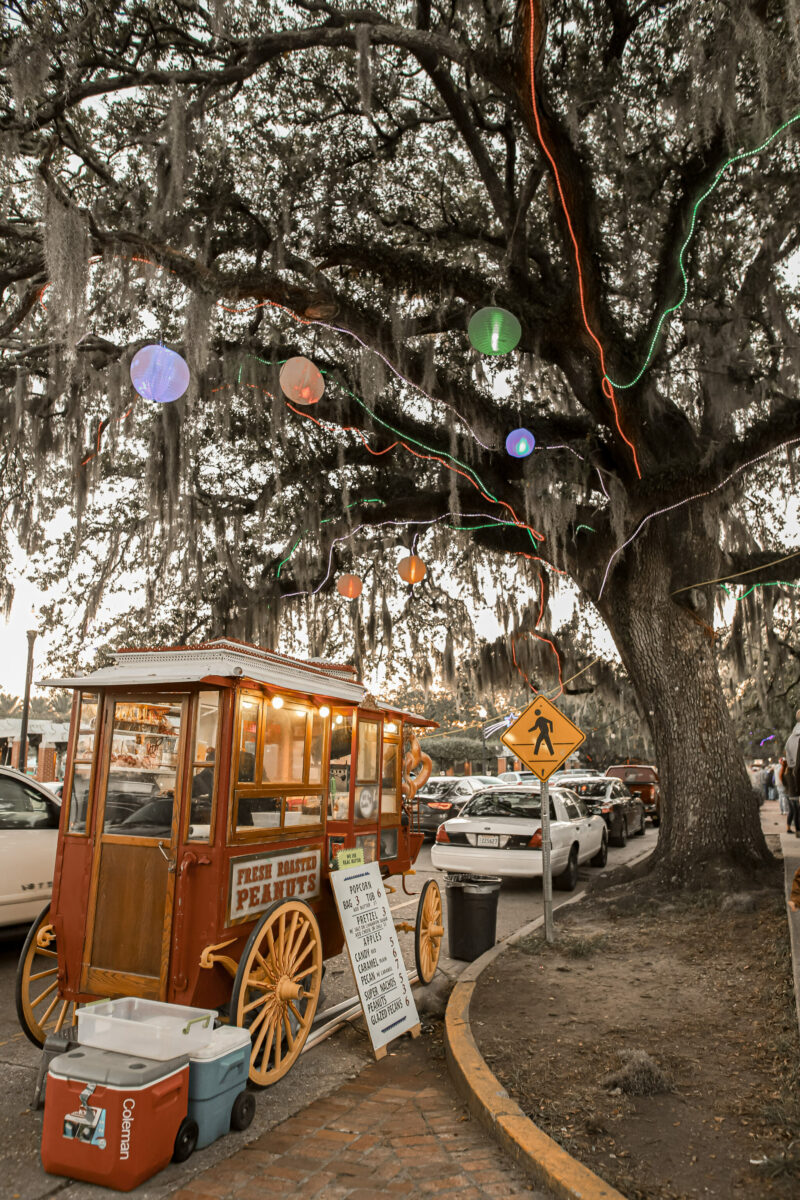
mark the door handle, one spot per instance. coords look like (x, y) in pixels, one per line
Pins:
(190, 859)
(169, 861)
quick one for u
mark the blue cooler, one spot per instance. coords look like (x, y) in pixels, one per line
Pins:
(218, 1099)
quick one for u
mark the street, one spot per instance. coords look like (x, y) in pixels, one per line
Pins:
(318, 1071)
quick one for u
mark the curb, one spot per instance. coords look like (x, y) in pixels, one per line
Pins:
(548, 1163)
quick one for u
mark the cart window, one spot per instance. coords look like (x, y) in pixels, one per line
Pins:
(82, 765)
(368, 843)
(284, 745)
(341, 754)
(315, 749)
(367, 766)
(389, 793)
(204, 768)
(248, 740)
(143, 769)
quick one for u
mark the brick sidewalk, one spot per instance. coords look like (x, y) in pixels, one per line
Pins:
(397, 1129)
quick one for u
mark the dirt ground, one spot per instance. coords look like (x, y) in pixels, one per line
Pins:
(705, 993)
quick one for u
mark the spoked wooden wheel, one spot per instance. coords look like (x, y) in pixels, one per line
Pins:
(429, 931)
(40, 1006)
(276, 988)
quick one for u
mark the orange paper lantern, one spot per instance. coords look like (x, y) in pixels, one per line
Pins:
(301, 381)
(412, 569)
(349, 586)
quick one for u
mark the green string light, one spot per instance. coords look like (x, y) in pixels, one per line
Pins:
(668, 311)
(324, 521)
(775, 583)
(589, 527)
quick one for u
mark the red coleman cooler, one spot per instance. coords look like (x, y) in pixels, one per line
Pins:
(112, 1118)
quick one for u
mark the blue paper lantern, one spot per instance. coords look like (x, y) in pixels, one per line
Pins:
(159, 374)
(520, 443)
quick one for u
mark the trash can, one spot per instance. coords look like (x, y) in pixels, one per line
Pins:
(471, 914)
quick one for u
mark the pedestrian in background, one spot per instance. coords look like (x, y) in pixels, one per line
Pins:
(792, 777)
(794, 897)
(780, 784)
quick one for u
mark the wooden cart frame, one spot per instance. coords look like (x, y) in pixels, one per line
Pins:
(207, 792)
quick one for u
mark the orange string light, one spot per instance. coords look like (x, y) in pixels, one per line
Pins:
(608, 390)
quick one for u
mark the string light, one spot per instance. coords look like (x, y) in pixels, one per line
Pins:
(607, 386)
(752, 588)
(688, 500)
(712, 187)
(738, 574)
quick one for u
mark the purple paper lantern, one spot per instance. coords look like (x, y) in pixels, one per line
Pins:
(159, 374)
(520, 443)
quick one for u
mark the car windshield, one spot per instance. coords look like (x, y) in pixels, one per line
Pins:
(438, 787)
(591, 788)
(527, 805)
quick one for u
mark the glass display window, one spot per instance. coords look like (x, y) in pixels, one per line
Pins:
(80, 784)
(367, 763)
(340, 764)
(279, 779)
(204, 768)
(390, 779)
(143, 768)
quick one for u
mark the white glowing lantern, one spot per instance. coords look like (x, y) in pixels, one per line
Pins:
(301, 381)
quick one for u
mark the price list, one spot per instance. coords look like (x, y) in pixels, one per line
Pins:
(375, 954)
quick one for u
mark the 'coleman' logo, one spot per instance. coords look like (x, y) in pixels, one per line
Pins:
(128, 1106)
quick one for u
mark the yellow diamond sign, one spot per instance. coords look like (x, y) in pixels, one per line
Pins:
(543, 738)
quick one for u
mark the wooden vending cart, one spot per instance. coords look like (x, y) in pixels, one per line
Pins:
(207, 791)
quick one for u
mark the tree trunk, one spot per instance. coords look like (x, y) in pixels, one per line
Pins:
(710, 824)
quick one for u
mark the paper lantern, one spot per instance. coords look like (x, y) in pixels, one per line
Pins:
(349, 586)
(159, 374)
(494, 330)
(301, 381)
(520, 443)
(412, 569)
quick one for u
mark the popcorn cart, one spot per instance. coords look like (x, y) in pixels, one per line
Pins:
(208, 790)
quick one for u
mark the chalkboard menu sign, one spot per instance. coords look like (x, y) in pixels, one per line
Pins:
(375, 954)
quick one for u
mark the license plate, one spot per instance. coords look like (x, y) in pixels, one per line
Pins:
(488, 839)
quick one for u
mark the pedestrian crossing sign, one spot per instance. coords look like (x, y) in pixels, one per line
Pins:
(543, 738)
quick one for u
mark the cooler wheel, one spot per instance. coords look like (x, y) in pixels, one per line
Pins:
(243, 1111)
(185, 1140)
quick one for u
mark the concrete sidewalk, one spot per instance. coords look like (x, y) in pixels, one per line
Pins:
(396, 1130)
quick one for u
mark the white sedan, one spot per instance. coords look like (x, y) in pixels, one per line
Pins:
(28, 835)
(499, 832)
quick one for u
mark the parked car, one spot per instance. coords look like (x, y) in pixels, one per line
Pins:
(56, 786)
(487, 780)
(623, 813)
(29, 815)
(499, 832)
(517, 777)
(443, 796)
(642, 780)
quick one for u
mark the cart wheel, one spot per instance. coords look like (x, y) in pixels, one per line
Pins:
(185, 1140)
(429, 931)
(243, 1111)
(40, 1007)
(276, 989)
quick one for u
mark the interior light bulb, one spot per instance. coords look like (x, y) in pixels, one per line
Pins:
(277, 701)
(339, 719)
(324, 711)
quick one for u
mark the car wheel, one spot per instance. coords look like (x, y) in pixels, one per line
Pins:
(622, 837)
(568, 878)
(640, 831)
(601, 858)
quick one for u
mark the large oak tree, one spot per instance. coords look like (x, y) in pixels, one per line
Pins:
(257, 179)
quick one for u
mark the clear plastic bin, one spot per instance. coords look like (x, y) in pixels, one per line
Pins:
(130, 1025)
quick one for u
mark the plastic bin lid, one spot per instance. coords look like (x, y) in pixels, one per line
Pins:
(222, 1041)
(89, 1065)
(464, 878)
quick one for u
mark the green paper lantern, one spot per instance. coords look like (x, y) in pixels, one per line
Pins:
(494, 330)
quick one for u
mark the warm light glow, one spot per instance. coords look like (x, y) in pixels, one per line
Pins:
(391, 727)
(277, 701)
(339, 719)
(324, 711)
(411, 569)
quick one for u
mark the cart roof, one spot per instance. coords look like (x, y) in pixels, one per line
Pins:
(224, 658)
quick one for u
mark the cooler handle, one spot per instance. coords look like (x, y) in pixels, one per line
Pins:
(161, 1092)
(194, 1021)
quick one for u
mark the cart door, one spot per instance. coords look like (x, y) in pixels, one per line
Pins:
(128, 926)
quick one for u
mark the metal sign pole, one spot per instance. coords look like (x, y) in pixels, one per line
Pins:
(547, 875)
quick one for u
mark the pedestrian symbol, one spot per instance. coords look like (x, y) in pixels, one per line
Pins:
(542, 737)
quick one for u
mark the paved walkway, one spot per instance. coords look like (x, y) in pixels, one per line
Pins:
(396, 1130)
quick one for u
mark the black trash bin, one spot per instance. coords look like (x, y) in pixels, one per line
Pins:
(471, 914)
